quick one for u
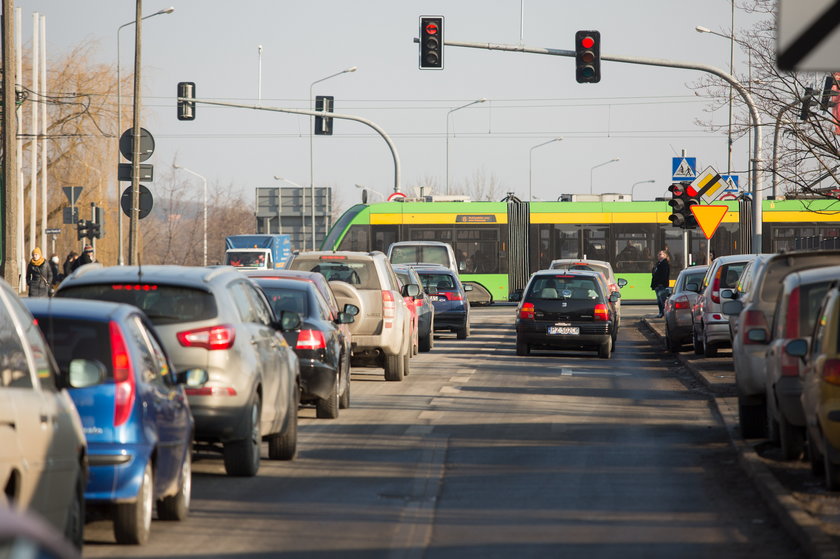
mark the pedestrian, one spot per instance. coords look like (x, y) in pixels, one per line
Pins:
(68, 262)
(86, 258)
(56, 274)
(660, 280)
(38, 275)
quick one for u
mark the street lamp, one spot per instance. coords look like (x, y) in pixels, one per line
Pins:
(120, 131)
(613, 160)
(311, 135)
(632, 188)
(482, 100)
(701, 29)
(530, 160)
(205, 204)
(364, 188)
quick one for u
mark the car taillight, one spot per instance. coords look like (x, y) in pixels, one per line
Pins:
(789, 365)
(389, 308)
(751, 321)
(792, 321)
(311, 339)
(418, 302)
(716, 287)
(602, 312)
(831, 371)
(212, 337)
(124, 389)
(681, 303)
(211, 391)
(452, 296)
(527, 311)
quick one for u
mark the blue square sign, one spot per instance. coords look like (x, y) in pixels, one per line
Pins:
(683, 169)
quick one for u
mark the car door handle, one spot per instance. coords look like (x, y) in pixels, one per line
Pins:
(255, 342)
(10, 424)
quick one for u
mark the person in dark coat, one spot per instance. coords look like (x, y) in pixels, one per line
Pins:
(86, 258)
(69, 261)
(38, 275)
(660, 280)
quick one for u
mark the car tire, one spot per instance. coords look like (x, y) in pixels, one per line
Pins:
(791, 439)
(327, 408)
(394, 368)
(406, 365)
(344, 399)
(462, 333)
(605, 349)
(426, 343)
(772, 432)
(242, 458)
(522, 349)
(177, 507)
(283, 445)
(697, 342)
(815, 457)
(133, 521)
(831, 471)
(752, 418)
(74, 529)
(708, 349)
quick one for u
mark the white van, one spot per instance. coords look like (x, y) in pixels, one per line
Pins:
(423, 252)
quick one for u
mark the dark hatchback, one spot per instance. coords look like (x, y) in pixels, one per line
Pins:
(449, 297)
(320, 344)
(567, 309)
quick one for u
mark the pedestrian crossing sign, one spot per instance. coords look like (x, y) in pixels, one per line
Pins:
(683, 168)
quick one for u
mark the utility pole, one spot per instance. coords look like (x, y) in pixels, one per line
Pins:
(134, 222)
(8, 193)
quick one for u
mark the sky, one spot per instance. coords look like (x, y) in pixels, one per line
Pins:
(641, 115)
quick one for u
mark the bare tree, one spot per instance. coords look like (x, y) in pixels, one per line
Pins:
(480, 186)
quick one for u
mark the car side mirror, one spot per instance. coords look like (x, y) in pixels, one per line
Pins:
(468, 287)
(621, 282)
(758, 335)
(728, 294)
(732, 307)
(83, 373)
(345, 318)
(289, 320)
(615, 296)
(410, 290)
(797, 347)
(351, 309)
(515, 296)
(192, 377)
(693, 286)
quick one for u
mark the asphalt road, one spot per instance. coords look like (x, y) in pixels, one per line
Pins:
(480, 453)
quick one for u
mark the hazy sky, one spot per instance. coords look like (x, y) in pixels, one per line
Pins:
(642, 115)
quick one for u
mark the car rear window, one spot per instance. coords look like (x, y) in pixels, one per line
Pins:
(164, 304)
(359, 273)
(72, 338)
(564, 287)
(810, 299)
(730, 273)
(242, 258)
(286, 299)
(438, 281)
(420, 253)
(694, 278)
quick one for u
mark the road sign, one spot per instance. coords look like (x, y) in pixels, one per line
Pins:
(709, 217)
(72, 193)
(70, 215)
(708, 185)
(683, 168)
(146, 202)
(147, 172)
(395, 195)
(147, 144)
(808, 35)
(52, 231)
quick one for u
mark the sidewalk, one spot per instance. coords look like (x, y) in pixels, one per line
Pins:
(718, 376)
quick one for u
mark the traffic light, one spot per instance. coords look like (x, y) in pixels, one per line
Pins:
(683, 196)
(100, 222)
(588, 56)
(94, 231)
(324, 124)
(186, 109)
(431, 42)
(807, 101)
(82, 229)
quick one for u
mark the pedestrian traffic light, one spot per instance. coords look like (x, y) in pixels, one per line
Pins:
(588, 56)
(431, 42)
(186, 109)
(82, 229)
(807, 101)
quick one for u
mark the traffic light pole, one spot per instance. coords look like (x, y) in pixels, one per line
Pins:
(756, 124)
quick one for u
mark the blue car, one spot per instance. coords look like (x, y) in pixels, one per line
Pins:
(449, 296)
(135, 413)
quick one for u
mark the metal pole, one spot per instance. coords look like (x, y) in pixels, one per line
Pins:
(44, 166)
(259, 72)
(774, 181)
(133, 232)
(731, 95)
(15, 164)
(9, 191)
(482, 100)
(120, 259)
(33, 143)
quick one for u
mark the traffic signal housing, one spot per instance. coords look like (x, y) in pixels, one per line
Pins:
(807, 101)
(683, 197)
(324, 124)
(588, 56)
(82, 229)
(431, 43)
(186, 109)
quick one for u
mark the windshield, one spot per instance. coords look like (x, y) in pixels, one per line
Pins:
(360, 274)
(564, 287)
(239, 259)
(410, 254)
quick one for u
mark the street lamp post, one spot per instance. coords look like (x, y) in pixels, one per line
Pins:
(311, 135)
(169, 10)
(613, 160)
(482, 100)
(363, 188)
(701, 29)
(530, 160)
(633, 188)
(205, 205)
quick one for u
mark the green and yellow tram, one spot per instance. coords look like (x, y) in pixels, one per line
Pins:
(499, 244)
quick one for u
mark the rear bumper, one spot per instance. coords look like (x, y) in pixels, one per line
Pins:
(717, 334)
(450, 320)
(116, 472)
(591, 335)
(317, 379)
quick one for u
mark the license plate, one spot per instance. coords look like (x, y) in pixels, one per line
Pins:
(435, 298)
(564, 330)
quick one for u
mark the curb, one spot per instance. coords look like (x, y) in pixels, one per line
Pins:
(803, 527)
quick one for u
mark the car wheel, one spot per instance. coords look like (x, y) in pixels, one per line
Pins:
(242, 458)
(344, 399)
(74, 529)
(133, 521)
(283, 445)
(605, 349)
(177, 507)
(522, 348)
(394, 367)
(462, 333)
(327, 408)
(697, 342)
(406, 365)
(831, 470)
(791, 439)
(708, 349)
(752, 418)
(426, 342)
(772, 432)
(815, 457)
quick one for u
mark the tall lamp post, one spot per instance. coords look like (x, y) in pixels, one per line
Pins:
(701, 29)
(169, 10)
(530, 161)
(311, 135)
(613, 160)
(482, 100)
(633, 188)
(190, 171)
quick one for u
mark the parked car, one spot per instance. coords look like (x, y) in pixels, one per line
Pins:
(614, 284)
(711, 326)
(449, 297)
(382, 329)
(425, 309)
(135, 413)
(218, 320)
(679, 323)
(43, 454)
(423, 252)
(752, 329)
(320, 344)
(567, 309)
(821, 388)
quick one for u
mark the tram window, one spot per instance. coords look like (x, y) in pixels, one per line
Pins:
(672, 244)
(566, 241)
(383, 236)
(595, 242)
(356, 239)
(443, 234)
(633, 247)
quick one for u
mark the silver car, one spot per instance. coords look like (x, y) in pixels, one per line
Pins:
(679, 323)
(215, 319)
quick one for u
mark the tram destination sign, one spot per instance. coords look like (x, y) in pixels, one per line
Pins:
(475, 218)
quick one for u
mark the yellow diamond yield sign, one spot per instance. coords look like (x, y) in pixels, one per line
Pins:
(709, 217)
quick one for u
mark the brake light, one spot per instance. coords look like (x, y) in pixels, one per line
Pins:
(602, 312)
(831, 371)
(716, 287)
(389, 309)
(311, 339)
(452, 295)
(124, 390)
(792, 321)
(527, 311)
(418, 302)
(681, 303)
(133, 287)
(333, 257)
(211, 391)
(753, 320)
(210, 338)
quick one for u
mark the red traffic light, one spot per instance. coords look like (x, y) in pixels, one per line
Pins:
(431, 29)
(587, 42)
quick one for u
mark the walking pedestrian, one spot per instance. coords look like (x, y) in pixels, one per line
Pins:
(68, 262)
(86, 258)
(661, 277)
(38, 275)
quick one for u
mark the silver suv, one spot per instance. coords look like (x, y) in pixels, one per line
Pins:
(382, 329)
(218, 320)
